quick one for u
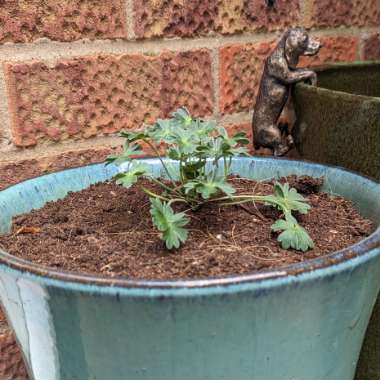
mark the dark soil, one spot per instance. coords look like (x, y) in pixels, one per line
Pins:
(107, 229)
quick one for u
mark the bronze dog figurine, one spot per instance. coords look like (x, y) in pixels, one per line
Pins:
(280, 73)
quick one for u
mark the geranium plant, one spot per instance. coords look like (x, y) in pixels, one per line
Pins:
(201, 154)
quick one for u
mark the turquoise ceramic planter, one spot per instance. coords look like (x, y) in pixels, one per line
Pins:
(304, 322)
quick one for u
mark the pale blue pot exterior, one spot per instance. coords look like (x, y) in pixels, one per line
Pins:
(272, 326)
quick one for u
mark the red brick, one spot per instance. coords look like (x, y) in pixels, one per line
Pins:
(177, 18)
(334, 13)
(187, 81)
(11, 363)
(367, 13)
(335, 49)
(242, 15)
(174, 18)
(372, 47)
(94, 96)
(240, 73)
(83, 97)
(69, 20)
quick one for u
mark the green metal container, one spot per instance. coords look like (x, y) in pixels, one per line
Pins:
(338, 123)
(302, 322)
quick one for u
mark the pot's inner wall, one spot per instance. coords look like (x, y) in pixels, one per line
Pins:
(359, 80)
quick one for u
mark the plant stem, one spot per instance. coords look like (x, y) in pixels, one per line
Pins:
(240, 199)
(159, 157)
(168, 188)
(154, 195)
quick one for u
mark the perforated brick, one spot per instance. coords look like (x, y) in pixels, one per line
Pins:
(240, 72)
(174, 17)
(332, 12)
(187, 81)
(253, 15)
(83, 97)
(178, 18)
(372, 47)
(335, 49)
(367, 13)
(335, 13)
(95, 96)
(11, 363)
(69, 20)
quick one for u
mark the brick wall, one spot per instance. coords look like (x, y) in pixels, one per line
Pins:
(73, 73)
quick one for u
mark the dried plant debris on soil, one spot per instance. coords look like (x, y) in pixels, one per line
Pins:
(107, 229)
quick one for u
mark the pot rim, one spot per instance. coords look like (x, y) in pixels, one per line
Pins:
(363, 251)
(341, 67)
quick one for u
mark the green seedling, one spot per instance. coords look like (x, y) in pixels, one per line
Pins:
(202, 152)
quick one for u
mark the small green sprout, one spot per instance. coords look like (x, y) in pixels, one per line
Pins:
(203, 152)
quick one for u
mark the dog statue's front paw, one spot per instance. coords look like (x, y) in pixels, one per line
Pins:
(281, 150)
(290, 141)
(314, 80)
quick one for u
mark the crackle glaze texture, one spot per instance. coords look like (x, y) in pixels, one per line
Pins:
(256, 326)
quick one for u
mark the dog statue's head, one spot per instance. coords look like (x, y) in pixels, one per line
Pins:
(298, 42)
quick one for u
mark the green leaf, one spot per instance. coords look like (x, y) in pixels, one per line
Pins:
(129, 178)
(209, 187)
(182, 115)
(132, 136)
(202, 129)
(127, 154)
(293, 235)
(192, 169)
(169, 223)
(185, 142)
(174, 153)
(162, 131)
(241, 138)
(230, 146)
(287, 199)
(212, 150)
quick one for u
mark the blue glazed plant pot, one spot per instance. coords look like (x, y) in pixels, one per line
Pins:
(302, 322)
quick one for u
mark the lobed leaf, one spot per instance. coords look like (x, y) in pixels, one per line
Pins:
(293, 235)
(287, 199)
(129, 178)
(170, 224)
(128, 153)
(133, 136)
(209, 187)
